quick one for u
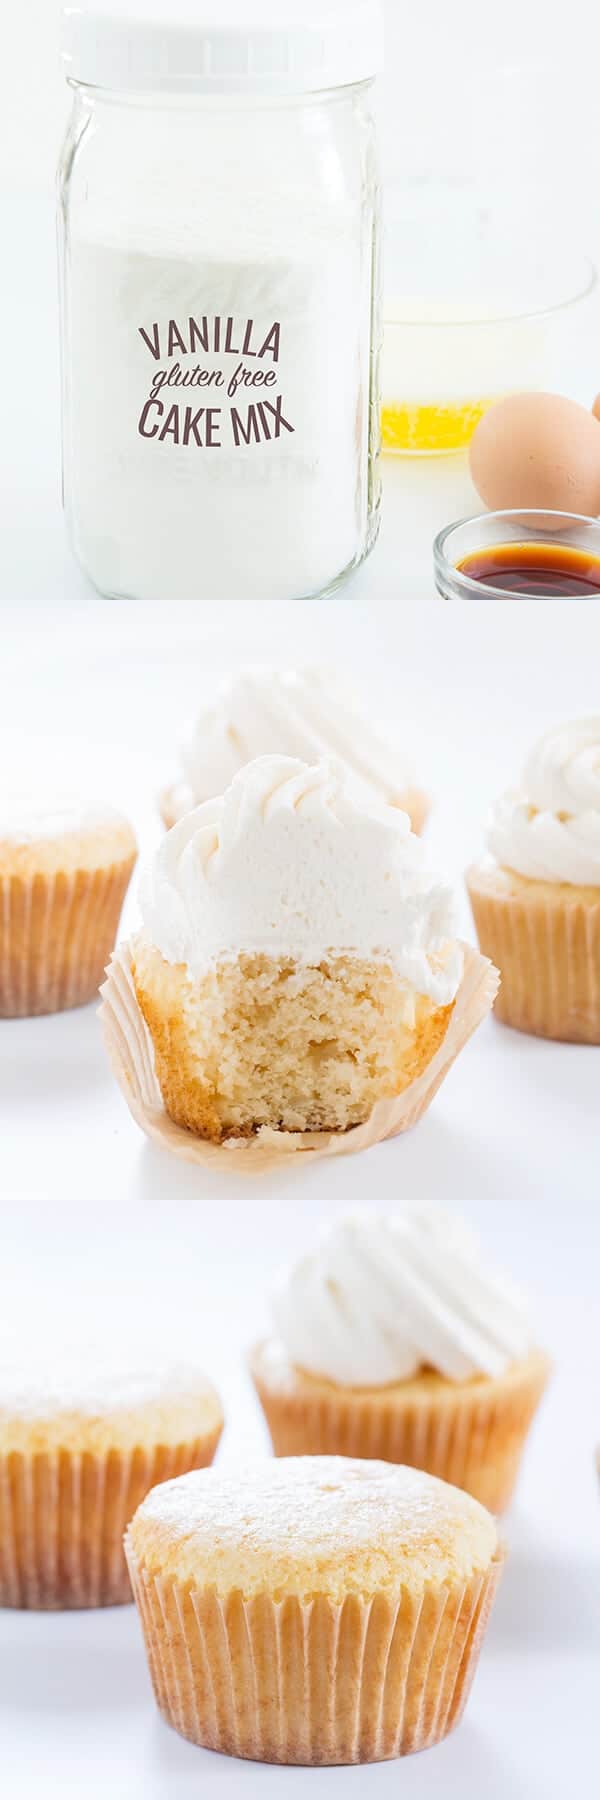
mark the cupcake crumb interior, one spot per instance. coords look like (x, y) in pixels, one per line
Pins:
(264, 1041)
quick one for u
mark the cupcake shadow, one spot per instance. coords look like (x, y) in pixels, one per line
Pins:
(545, 1599)
(191, 1181)
(490, 1772)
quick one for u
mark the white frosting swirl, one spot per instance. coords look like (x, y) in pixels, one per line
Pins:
(383, 1296)
(549, 830)
(294, 861)
(304, 713)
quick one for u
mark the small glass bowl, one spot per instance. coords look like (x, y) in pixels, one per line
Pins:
(486, 531)
(463, 330)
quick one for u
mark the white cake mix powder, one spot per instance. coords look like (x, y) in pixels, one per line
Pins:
(215, 444)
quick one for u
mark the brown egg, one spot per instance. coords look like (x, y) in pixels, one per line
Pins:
(537, 450)
(596, 407)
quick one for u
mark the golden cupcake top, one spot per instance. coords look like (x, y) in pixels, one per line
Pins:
(61, 836)
(98, 1398)
(308, 1525)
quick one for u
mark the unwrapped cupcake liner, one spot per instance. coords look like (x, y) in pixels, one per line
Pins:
(56, 933)
(472, 1435)
(312, 1682)
(548, 952)
(62, 1518)
(177, 799)
(130, 1050)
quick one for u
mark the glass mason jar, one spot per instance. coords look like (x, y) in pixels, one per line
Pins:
(220, 294)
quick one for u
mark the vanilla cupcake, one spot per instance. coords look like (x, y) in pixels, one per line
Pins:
(312, 1611)
(536, 897)
(63, 879)
(81, 1444)
(393, 1340)
(297, 962)
(289, 712)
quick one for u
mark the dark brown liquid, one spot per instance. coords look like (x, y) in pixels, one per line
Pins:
(557, 571)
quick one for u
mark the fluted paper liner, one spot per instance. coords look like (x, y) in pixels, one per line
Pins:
(63, 1515)
(414, 801)
(56, 932)
(548, 952)
(130, 1050)
(472, 1435)
(312, 1682)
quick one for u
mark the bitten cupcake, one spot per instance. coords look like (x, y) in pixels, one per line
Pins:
(393, 1340)
(63, 879)
(315, 1610)
(536, 897)
(298, 960)
(290, 712)
(80, 1446)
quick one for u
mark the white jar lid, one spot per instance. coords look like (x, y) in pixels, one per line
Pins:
(210, 47)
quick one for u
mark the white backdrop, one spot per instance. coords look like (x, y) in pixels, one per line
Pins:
(462, 88)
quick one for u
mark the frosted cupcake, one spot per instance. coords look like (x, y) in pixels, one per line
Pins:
(312, 1611)
(536, 897)
(80, 1446)
(392, 1339)
(288, 712)
(297, 962)
(63, 879)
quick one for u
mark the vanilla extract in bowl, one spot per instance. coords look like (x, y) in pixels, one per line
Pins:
(537, 571)
(526, 555)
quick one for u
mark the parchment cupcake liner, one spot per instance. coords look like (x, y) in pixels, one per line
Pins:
(548, 953)
(472, 1436)
(130, 1050)
(312, 1682)
(63, 1515)
(56, 933)
(176, 800)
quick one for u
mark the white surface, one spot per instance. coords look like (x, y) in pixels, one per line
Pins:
(95, 1220)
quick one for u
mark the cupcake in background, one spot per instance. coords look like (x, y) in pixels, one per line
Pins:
(86, 1429)
(393, 1340)
(536, 896)
(298, 961)
(305, 713)
(64, 873)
